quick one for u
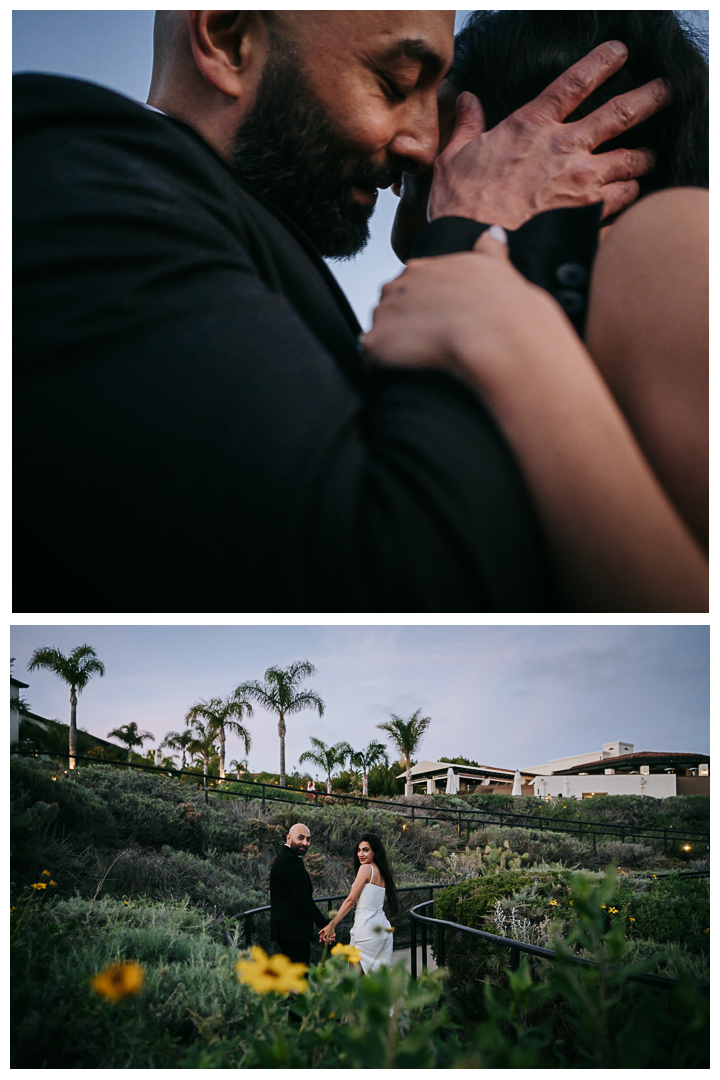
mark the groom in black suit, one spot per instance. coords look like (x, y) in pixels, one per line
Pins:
(196, 426)
(293, 913)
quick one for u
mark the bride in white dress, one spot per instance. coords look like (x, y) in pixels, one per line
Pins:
(371, 933)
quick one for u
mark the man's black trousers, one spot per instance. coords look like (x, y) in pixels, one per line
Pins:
(297, 951)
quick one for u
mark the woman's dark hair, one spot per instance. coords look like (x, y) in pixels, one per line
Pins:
(381, 861)
(507, 58)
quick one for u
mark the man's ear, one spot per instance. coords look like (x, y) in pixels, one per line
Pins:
(229, 48)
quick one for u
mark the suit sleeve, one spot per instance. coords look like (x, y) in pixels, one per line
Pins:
(227, 461)
(554, 250)
(299, 889)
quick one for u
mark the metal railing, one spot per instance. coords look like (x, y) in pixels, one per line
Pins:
(248, 916)
(464, 818)
(515, 948)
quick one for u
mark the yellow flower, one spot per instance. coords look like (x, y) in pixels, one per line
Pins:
(13, 909)
(571, 903)
(39, 885)
(553, 903)
(603, 905)
(271, 974)
(119, 980)
(46, 873)
(53, 883)
(631, 919)
(613, 910)
(351, 954)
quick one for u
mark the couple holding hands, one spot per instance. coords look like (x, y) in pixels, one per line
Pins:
(293, 913)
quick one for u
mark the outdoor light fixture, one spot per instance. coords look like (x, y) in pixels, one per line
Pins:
(686, 847)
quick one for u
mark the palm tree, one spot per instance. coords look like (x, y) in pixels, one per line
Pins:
(76, 670)
(406, 735)
(373, 754)
(203, 743)
(326, 757)
(239, 766)
(176, 740)
(20, 704)
(280, 694)
(219, 713)
(129, 734)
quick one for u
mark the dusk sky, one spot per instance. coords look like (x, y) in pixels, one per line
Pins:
(114, 48)
(507, 696)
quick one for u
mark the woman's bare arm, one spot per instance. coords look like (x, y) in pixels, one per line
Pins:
(363, 876)
(617, 542)
(647, 331)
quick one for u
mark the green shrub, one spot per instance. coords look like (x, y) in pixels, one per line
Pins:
(192, 1013)
(690, 813)
(667, 910)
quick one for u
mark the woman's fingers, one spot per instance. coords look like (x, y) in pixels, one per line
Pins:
(493, 242)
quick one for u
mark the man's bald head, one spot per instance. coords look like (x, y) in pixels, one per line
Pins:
(298, 838)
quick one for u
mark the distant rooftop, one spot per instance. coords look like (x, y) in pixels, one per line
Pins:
(646, 757)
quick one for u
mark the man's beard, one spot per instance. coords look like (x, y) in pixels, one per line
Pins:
(289, 150)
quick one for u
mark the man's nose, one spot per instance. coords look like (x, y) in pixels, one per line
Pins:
(415, 146)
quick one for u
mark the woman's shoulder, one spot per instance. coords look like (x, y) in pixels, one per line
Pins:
(651, 265)
(665, 219)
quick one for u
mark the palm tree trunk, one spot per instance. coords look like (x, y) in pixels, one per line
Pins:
(221, 736)
(365, 785)
(72, 742)
(281, 733)
(328, 785)
(408, 782)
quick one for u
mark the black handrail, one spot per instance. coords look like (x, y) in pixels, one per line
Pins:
(472, 817)
(248, 915)
(515, 947)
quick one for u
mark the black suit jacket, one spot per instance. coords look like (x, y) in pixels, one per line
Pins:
(196, 429)
(292, 910)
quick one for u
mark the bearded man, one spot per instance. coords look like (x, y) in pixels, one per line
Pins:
(198, 428)
(293, 912)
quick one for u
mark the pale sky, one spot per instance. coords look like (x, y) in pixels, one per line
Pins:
(507, 696)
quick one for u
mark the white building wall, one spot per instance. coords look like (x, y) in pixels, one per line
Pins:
(554, 765)
(656, 785)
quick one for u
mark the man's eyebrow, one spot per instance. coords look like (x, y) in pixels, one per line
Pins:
(417, 49)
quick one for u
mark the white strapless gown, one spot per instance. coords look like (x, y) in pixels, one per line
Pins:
(371, 933)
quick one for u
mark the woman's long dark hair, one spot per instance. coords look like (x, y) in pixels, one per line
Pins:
(381, 861)
(507, 58)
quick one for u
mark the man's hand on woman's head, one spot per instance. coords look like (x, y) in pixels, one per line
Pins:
(532, 161)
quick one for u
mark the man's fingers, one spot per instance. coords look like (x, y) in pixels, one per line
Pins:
(469, 124)
(619, 196)
(572, 87)
(620, 114)
(624, 164)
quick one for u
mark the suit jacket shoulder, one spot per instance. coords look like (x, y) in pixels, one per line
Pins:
(183, 349)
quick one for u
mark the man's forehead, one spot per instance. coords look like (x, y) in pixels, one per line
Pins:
(299, 831)
(423, 35)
